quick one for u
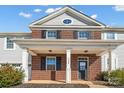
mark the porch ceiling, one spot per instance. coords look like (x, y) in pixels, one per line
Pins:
(63, 51)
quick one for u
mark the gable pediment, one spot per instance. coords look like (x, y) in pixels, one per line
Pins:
(56, 19)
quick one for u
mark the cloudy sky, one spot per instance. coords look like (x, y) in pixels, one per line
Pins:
(17, 18)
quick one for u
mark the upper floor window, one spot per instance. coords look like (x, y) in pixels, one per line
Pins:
(110, 35)
(51, 34)
(67, 21)
(9, 44)
(83, 35)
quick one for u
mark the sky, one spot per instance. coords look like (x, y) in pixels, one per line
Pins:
(17, 18)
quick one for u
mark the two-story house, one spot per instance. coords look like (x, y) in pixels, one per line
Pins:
(65, 45)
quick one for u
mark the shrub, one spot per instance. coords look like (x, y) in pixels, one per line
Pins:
(10, 75)
(116, 77)
(103, 76)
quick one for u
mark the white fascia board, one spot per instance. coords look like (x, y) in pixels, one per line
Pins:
(70, 42)
(81, 15)
(48, 17)
(88, 28)
(15, 33)
(81, 26)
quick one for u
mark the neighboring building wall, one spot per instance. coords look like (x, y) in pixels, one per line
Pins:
(117, 55)
(120, 50)
(10, 56)
(38, 74)
(105, 61)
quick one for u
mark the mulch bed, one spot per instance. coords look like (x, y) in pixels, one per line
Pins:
(51, 86)
(106, 84)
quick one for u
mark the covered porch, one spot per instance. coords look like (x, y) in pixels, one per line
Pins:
(80, 59)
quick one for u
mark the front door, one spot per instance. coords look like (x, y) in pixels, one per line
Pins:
(82, 67)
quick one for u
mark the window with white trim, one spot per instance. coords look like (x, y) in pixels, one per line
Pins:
(9, 43)
(110, 35)
(51, 63)
(83, 35)
(51, 34)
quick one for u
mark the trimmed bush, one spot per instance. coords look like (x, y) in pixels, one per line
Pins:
(116, 77)
(10, 75)
(103, 76)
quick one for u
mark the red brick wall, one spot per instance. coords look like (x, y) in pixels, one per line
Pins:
(41, 75)
(93, 69)
(96, 35)
(36, 34)
(66, 34)
(36, 62)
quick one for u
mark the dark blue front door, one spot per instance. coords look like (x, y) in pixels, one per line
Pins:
(82, 69)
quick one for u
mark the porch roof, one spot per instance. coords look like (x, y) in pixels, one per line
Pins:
(59, 46)
(67, 42)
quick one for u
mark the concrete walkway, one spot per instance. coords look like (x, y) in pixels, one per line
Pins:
(89, 83)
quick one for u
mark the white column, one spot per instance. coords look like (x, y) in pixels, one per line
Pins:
(25, 59)
(110, 62)
(68, 66)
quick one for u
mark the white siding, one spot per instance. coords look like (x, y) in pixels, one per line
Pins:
(104, 61)
(118, 55)
(10, 56)
(120, 50)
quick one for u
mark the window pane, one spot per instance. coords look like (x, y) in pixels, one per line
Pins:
(83, 35)
(51, 63)
(50, 67)
(10, 43)
(51, 34)
(111, 35)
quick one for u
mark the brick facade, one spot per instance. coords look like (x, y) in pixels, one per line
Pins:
(36, 34)
(65, 34)
(94, 67)
(96, 35)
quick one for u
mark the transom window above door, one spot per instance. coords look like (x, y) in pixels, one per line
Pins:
(83, 35)
(51, 34)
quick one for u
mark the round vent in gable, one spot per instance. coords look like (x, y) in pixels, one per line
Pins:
(67, 21)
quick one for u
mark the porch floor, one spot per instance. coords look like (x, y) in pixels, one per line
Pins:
(89, 83)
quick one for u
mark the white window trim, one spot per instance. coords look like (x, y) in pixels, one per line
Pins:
(104, 36)
(81, 38)
(67, 18)
(50, 57)
(50, 31)
(5, 45)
